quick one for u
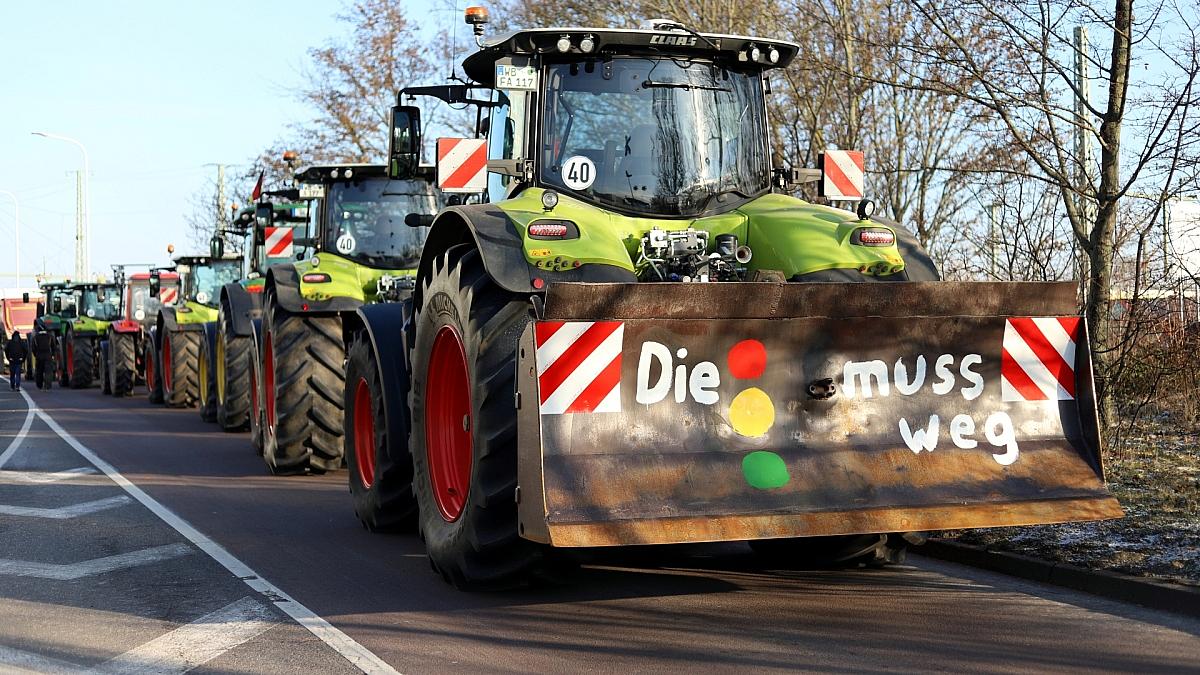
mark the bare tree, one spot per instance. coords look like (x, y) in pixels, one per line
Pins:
(1028, 93)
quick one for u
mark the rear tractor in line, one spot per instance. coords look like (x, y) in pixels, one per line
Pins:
(362, 249)
(181, 337)
(632, 333)
(124, 357)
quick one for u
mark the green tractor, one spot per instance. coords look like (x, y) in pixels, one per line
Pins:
(268, 231)
(95, 305)
(632, 333)
(361, 242)
(182, 336)
(57, 302)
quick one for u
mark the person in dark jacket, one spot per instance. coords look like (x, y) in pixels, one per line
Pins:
(42, 363)
(15, 352)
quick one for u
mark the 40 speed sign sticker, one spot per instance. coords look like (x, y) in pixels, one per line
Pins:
(578, 172)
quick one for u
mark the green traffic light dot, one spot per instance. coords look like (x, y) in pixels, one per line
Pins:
(765, 470)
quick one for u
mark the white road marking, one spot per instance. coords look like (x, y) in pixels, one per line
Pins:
(358, 656)
(66, 512)
(16, 442)
(13, 476)
(88, 568)
(19, 661)
(178, 651)
(196, 643)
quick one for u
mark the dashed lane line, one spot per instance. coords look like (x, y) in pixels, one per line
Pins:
(176, 652)
(196, 643)
(16, 477)
(349, 648)
(89, 568)
(65, 512)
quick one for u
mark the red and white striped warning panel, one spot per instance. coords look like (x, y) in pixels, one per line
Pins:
(168, 295)
(579, 366)
(278, 242)
(1038, 360)
(842, 174)
(462, 164)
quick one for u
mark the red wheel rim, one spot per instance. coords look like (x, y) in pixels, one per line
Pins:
(254, 418)
(166, 362)
(269, 381)
(448, 437)
(150, 371)
(364, 434)
(70, 358)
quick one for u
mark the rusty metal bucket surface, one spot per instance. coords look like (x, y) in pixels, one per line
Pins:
(661, 413)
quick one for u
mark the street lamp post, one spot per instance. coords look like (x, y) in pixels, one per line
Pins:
(17, 220)
(83, 266)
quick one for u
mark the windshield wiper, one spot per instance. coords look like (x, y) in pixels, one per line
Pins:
(719, 194)
(648, 84)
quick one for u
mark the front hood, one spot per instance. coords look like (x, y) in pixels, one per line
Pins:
(347, 279)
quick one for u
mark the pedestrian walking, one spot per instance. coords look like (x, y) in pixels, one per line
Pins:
(42, 363)
(15, 351)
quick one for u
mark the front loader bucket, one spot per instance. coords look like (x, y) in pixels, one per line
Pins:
(665, 413)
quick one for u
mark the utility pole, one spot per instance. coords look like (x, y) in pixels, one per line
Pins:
(1083, 139)
(80, 231)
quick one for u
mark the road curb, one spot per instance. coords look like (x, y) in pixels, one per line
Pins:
(1178, 598)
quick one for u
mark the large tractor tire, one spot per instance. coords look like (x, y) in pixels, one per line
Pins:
(232, 377)
(122, 363)
(154, 387)
(177, 360)
(464, 430)
(380, 476)
(304, 381)
(257, 411)
(64, 377)
(105, 380)
(81, 356)
(206, 384)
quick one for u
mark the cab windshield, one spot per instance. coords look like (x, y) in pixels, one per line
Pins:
(207, 280)
(366, 221)
(141, 300)
(102, 303)
(654, 135)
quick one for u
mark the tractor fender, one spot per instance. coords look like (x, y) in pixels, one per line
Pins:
(286, 284)
(387, 327)
(166, 321)
(125, 326)
(256, 332)
(500, 245)
(210, 336)
(240, 306)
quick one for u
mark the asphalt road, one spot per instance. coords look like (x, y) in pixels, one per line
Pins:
(210, 563)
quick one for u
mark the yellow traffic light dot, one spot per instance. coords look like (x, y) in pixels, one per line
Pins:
(751, 413)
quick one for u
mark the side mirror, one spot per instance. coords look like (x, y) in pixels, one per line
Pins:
(41, 310)
(155, 283)
(263, 215)
(418, 219)
(216, 247)
(25, 298)
(404, 142)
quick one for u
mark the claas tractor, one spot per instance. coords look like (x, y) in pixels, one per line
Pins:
(181, 336)
(94, 306)
(57, 301)
(632, 333)
(361, 243)
(124, 358)
(267, 230)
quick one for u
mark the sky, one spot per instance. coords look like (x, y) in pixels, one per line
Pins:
(155, 90)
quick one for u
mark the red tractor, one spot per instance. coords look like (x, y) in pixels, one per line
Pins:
(125, 361)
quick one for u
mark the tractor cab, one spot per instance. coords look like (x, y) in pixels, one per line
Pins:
(97, 302)
(357, 213)
(57, 303)
(268, 231)
(201, 278)
(142, 306)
